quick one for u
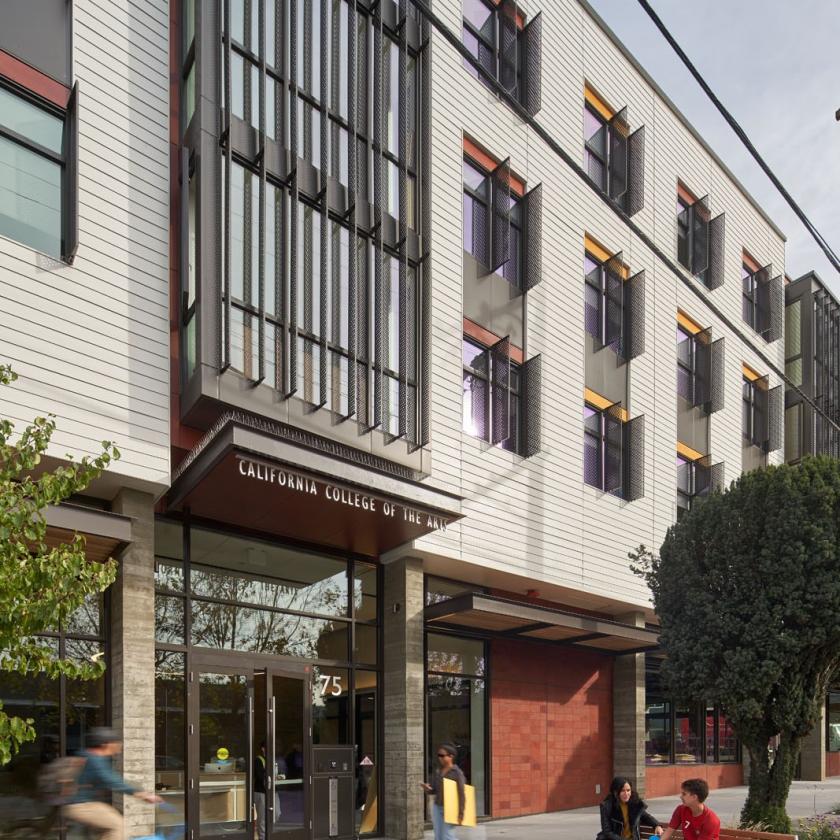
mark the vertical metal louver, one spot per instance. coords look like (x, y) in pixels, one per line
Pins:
(633, 457)
(70, 198)
(530, 387)
(378, 256)
(715, 271)
(776, 293)
(717, 381)
(762, 300)
(613, 448)
(499, 358)
(294, 256)
(184, 252)
(262, 198)
(614, 301)
(597, 144)
(618, 155)
(775, 418)
(700, 217)
(531, 205)
(402, 134)
(228, 158)
(633, 339)
(530, 40)
(702, 368)
(717, 479)
(761, 427)
(508, 45)
(708, 477)
(500, 213)
(635, 199)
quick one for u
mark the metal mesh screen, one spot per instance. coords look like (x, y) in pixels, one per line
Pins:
(715, 272)
(531, 62)
(761, 428)
(613, 448)
(500, 396)
(532, 210)
(633, 340)
(635, 199)
(717, 381)
(618, 133)
(762, 300)
(634, 459)
(614, 316)
(530, 386)
(508, 45)
(700, 218)
(70, 144)
(776, 288)
(775, 418)
(597, 146)
(702, 368)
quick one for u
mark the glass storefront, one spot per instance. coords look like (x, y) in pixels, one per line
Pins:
(62, 711)
(456, 706)
(833, 721)
(280, 643)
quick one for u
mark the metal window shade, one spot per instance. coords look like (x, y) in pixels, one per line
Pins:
(717, 477)
(633, 479)
(70, 192)
(481, 233)
(530, 391)
(635, 199)
(508, 44)
(323, 61)
(294, 256)
(353, 256)
(715, 271)
(614, 302)
(686, 369)
(775, 418)
(618, 157)
(717, 380)
(532, 211)
(592, 316)
(761, 427)
(425, 283)
(684, 478)
(683, 228)
(184, 243)
(633, 340)
(702, 475)
(597, 145)
(702, 367)
(487, 59)
(500, 390)
(500, 212)
(262, 198)
(762, 300)
(228, 158)
(378, 327)
(700, 218)
(530, 45)
(776, 288)
(613, 448)
(402, 134)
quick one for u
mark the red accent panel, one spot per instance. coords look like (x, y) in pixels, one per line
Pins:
(551, 727)
(666, 780)
(34, 80)
(488, 338)
(832, 764)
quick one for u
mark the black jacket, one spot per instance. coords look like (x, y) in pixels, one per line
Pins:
(612, 822)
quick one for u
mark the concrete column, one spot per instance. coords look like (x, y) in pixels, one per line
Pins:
(133, 656)
(404, 699)
(813, 751)
(629, 712)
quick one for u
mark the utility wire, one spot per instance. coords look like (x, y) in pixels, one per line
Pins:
(555, 147)
(742, 136)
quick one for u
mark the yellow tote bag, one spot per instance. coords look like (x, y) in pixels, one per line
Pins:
(450, 803)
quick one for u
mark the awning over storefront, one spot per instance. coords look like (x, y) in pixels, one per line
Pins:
(501, 617)
(275, 479)
(105, 533)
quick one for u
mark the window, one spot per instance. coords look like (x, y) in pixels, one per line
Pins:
(613, 451)
(502, 223)
(38, 173)
(501, 397)
(761, 412)
(833, 721)
(700, 239)
(614, 306)
(613, 157)
(700, 367)
(793, 341)
(507, 49)
(793, 433)
(762, 300)
(696, 478)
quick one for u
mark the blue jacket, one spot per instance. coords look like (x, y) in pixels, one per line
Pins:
(98, 780)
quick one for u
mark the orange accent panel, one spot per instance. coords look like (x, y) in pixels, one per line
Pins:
(667, 779)
(488, 162)
(688, 323)
(28, 77)
(599, 402)
(688, 452)
(601, 253)
(597, 103)
(749, 373)
(685, 194)
(520, 17)
(484, 336)
(750, 261)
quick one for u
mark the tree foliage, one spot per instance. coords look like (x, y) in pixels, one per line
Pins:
(747, 589)
(41, 587)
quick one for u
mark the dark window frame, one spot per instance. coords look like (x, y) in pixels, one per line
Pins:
(493, 45)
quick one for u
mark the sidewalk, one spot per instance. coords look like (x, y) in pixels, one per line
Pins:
(806, 799)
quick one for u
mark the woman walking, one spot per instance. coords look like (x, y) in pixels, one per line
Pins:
(447, 769)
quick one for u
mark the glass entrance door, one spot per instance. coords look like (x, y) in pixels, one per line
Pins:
(249, 751)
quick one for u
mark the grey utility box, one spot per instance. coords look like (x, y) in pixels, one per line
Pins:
(333, 783)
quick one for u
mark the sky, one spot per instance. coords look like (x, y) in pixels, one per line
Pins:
(775, 65)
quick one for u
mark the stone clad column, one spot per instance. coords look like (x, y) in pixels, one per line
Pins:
(813, 751)
(629, 712)
(404, 699)
(132, 670)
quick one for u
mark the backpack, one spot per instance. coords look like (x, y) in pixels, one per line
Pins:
(59, 780)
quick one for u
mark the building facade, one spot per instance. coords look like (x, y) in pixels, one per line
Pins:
(426, 321)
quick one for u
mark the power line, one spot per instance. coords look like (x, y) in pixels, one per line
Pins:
(742, 136)
(555, 147)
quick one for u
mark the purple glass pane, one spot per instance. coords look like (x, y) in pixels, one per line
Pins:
(591, 123)
(468, 223)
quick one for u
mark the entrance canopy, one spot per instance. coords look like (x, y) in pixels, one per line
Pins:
(105, 533)
(276, 479)
(501, 617)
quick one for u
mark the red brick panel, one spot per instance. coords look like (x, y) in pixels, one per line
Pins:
(666, 780)
(832, 764)
(551, 727)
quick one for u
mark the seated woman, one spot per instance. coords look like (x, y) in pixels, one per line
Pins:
(623, 813)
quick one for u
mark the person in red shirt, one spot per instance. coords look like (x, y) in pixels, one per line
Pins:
(693, 818)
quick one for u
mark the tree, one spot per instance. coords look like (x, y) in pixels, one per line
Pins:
(41, 587)
(747, 590)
